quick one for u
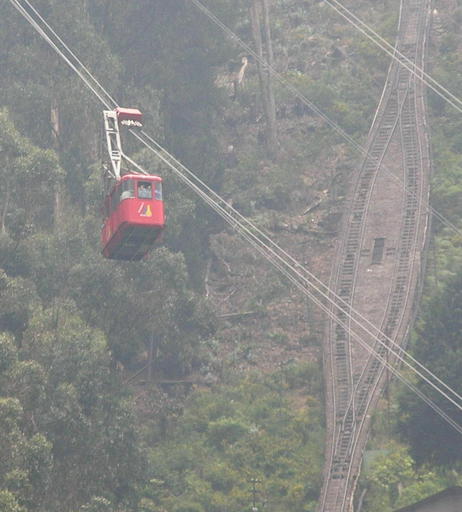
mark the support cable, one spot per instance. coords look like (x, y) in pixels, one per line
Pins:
(237, 220)
(340, 131)
(109, 99)
(85, 79)
(97, 89)
(243, 229)
(233, 221)
(396, 55)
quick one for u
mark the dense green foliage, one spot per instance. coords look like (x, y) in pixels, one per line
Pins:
(67, 428)
(438, 341)
(394, 480)
(260, 428)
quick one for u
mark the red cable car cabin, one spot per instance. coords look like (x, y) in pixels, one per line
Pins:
(134, 217)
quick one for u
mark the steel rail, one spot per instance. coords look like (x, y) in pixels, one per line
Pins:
(354, 387)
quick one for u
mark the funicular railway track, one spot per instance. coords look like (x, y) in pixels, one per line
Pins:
(378, 264)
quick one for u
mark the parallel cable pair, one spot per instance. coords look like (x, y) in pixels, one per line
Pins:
(396, 55)
(319, 293)
(296, 93)
(309, 284)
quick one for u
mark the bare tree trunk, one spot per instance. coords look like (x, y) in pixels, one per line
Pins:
(5, 207)
(272, 131)
(55, 129)
(258, 10)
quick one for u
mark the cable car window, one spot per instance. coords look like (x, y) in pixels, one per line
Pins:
(115, 198)
(145, 190)
(158, 191)
(128, 189)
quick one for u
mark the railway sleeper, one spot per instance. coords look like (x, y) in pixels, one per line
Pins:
(404, 255)
(375, 365)
(367, 174)
(389, 120)
(363, 392)
(390, 327)
(359, 204)
(379, 148)
(407, 237)
(406, 244)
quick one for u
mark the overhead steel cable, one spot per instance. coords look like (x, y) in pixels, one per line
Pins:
(285, 259)
(76, 66)
(109, 99)
(233, 222)
(286, 270)
(331, 123)
(313, 107)
(236, 223)
(337, 128)
(74, 63)
(396, 55)
(90, 81)
(358, 338)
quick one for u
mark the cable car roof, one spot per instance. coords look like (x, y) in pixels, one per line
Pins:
(141, 177)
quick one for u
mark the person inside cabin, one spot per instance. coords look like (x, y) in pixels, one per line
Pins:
(144, 190)
(128, 190)
(158, 192)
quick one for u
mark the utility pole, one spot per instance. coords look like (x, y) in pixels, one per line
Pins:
(254, 482)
